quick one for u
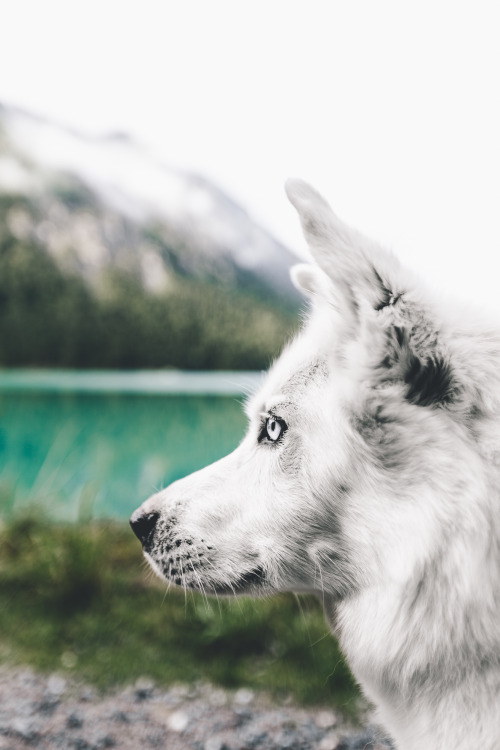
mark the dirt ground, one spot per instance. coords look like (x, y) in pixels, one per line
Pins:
(54, 712)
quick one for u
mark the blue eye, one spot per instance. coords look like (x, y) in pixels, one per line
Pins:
(273, 429)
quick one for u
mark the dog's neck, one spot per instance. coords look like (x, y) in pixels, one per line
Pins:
(429, 663)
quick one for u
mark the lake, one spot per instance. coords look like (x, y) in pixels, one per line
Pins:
(99, 443)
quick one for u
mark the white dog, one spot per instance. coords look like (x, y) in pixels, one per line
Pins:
(370, 474)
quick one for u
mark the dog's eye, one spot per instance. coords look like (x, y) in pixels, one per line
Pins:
(273, 429)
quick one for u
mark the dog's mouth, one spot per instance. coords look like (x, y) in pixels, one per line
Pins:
(194, 570)
(247, 582)
(179, 558)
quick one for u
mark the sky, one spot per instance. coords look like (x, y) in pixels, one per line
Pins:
(391, 109)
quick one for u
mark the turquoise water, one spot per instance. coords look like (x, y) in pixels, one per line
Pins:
(83, 449)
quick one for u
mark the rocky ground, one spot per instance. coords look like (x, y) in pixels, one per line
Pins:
(53, 712)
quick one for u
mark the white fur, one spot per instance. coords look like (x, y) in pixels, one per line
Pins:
(382, 496)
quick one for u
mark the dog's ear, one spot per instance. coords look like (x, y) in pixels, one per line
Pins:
(311, 280)
(379, 301)
(354, 264)
(417, 358)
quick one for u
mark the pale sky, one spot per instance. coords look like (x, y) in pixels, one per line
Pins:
(390, 108)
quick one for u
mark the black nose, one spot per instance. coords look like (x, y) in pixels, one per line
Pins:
(143, 526)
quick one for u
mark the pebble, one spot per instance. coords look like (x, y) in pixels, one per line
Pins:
(74, 721)
(244, 696)
(106, 741)
(143, 689)
(25, 727)
(178, 721)
(88, 694)
(330, 742)
(257, 740)
(80, 744)
(241, 716)
(121, 716)
(180, 691)
(56, 685)
(214, 743)
(325, 719)
(48, 706)
(217, 698)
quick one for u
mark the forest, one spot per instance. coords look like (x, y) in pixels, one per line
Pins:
(53, 318)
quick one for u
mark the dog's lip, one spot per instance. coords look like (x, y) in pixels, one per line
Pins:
(255, 577)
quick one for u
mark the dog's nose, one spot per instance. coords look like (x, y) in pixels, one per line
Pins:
(143, 525)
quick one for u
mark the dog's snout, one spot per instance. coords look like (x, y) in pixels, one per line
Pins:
(143, 525)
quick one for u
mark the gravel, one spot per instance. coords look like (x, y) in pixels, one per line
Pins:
(54, 712)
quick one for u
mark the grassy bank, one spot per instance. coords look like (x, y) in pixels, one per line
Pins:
(78, 598)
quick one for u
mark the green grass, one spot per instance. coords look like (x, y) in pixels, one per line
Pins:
(78, 598)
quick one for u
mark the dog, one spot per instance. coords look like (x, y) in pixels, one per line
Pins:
(369, 475)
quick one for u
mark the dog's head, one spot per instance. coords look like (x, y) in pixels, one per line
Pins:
(364, 420)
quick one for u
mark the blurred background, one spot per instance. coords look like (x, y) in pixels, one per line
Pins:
(145, 242)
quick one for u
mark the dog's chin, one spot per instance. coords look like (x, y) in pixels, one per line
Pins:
(252, 582)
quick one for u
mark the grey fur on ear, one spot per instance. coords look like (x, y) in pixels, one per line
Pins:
(424, 365)
(318, 221)
(358, 267)
(338, 250)
(304, 196)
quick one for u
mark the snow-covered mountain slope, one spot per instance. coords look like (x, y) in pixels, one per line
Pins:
(107, 201)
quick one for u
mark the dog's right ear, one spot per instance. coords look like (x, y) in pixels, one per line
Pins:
(394, 329)
(357, 267)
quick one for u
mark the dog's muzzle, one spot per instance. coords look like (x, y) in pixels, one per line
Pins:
(143, 525)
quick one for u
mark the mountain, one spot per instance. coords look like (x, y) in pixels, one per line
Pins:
(110, 259)
(116, 204)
